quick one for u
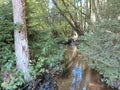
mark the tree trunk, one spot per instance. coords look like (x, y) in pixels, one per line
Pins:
(20, 37)
(94, 9)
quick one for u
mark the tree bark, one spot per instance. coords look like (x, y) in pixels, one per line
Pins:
(20, 37)
(71, 21)
(94, 9)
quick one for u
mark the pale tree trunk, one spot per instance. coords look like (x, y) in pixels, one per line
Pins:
(20, 37)
(94, 9)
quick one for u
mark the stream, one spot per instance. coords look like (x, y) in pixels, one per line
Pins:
(78, 76)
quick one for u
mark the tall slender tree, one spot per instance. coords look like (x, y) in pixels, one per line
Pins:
(20, 37)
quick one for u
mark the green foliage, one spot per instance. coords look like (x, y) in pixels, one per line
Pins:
(46, 27)
(102, 52)
(12, 80)
(101, 48)
(44, 31)
(45, 52)
(9, 78)
(40, 17)
(103, 55)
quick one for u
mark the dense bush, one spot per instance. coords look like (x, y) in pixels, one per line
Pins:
(44, 51)
(9, 78)
(101, 49)
(43, 35)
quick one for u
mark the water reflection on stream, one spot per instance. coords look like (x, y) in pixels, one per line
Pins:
(78, 76)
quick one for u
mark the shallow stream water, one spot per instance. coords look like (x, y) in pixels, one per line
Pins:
(78, 76)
